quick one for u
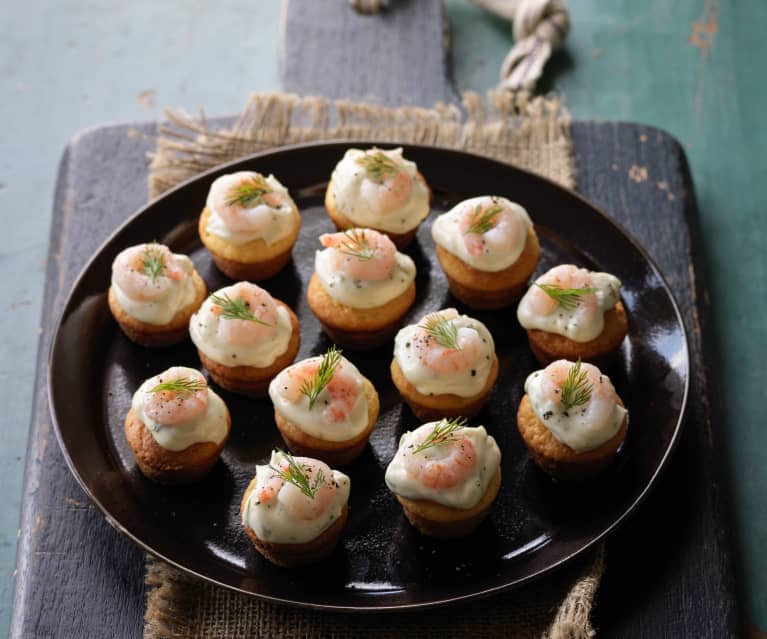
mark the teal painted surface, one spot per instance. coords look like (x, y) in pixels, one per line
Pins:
(697, 70)
(69, 64)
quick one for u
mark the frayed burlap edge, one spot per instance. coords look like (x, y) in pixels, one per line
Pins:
(530, 133)
(557, 607)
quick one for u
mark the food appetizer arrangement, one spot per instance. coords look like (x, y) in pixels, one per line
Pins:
(446, 473)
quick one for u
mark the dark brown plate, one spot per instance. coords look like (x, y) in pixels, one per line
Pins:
(382, 563)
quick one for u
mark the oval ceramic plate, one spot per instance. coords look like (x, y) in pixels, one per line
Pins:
(381, 562)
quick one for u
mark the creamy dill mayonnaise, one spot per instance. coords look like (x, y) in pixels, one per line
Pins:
(472, 483)
(160, 311)
(500, 247)
(210, 426)
(270, 223)
(409, 350)
(584, 427)
(353, 201)
(272, 521)
(315, 421)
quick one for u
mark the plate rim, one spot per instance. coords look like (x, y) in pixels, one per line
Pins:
(444, 601)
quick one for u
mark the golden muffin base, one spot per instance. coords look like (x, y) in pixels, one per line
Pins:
(600, 351)
(168, 466)
(294, 555)
(332, 453)
(177, 330)
(401, 240)
(490, 290)
(432, 407)
(559, 460)
(254, 261)
(357, 328)
(251, 380)
(446, 522)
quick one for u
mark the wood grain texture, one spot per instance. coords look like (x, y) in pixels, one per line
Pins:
(669, 572)
(393, 58)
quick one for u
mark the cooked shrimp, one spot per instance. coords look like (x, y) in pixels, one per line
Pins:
(441, 357)
(362, 254)
(442, 465)
(244, 200)
(601, 404)
(563, 276)
(391, 191)
(272, 485)
(488, 227)
(146, 272)
(169, 407)
(252, 300)
(338, 397)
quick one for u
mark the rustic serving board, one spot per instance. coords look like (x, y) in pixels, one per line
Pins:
(669, 568)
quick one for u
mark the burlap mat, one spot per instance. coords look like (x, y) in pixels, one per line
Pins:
(530, 134)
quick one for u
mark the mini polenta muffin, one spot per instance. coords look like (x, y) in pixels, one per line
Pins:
(572, 313)
(249, 225)
(446, 476)
(571, 419)
(378, 189)
(245, 337)
(177, 426)
(154, 293)
(294, 509)
(325, 408)
(488, 249)
(444, 366)
(361, 288)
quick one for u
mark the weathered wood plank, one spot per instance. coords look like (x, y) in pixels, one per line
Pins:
(668, 569)
(393, 58)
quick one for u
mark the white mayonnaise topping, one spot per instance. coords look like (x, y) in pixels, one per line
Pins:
(500, 247)
(584, 427)
(204, 330)
(160, 311)
(273, 522)
(210, 426)
(268, 223)
(469, 487)
(354, 192)
(363, 293)
(322, 420)
(464, 381)
(581, 324)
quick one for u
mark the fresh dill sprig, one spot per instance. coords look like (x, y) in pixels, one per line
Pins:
(249, 192)
(153, 261)
(483, 221)
(576, 390)
(444, 431)
(567, 298)
(444, 332)
(378, 165)
(358, 245)
(236, 308)
(315, 385)
(296, 474)
(180, 385)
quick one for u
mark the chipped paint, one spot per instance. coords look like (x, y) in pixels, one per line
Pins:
(702, 37)
(638, 173)
(146, 99)
(704, 30)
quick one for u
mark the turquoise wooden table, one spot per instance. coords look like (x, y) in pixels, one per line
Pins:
(692, 68)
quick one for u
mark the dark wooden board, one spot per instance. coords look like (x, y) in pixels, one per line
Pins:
(669, 568)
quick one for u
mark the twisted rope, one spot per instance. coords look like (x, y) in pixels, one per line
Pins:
(539, 26)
